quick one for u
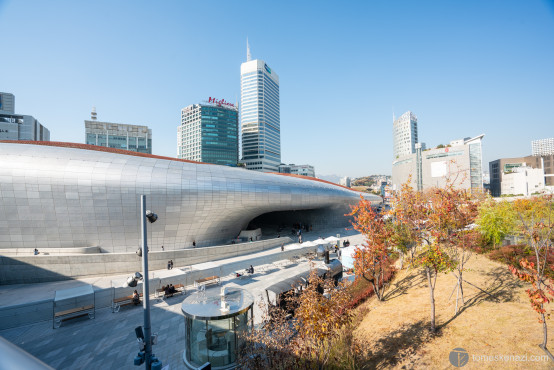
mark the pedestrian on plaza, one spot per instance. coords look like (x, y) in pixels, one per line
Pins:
(282, 247)
(169, 265)
(194, 244)
(171, 261)
(162, 248)
(36, 252)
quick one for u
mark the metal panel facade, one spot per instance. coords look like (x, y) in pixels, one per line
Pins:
(66, 197)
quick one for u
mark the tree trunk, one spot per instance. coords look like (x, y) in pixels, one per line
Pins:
(432, 298)
(545, 338)
(460, 285)
(376, 290)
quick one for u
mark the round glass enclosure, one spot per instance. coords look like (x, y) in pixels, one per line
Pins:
(213, 322)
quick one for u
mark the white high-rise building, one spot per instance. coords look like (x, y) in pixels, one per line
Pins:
(404, 135)
(542, 146)
(260, 116)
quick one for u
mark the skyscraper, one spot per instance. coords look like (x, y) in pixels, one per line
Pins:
(404, 135)
(260, 116)
(209, 133)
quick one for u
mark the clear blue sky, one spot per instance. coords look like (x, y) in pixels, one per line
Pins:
(463, 67)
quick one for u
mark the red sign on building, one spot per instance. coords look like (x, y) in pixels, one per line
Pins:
(220, 102)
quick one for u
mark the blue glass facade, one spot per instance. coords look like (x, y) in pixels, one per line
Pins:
(260, 117)
(209, 134)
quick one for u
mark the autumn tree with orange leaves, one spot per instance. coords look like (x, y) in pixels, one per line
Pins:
(371, 260)
(423, 215)
(455, 212)
(536, 224)
(306, 340)
(320, 317)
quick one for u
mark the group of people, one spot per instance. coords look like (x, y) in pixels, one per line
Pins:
(170, 289)
(170, 264)
(345, 243)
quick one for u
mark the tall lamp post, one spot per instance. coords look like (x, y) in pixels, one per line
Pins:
(145, 339)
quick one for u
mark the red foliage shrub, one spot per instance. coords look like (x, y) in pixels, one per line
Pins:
(361, 289)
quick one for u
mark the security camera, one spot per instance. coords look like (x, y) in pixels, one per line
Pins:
(151, 216)
(139, 333)
(131, 281)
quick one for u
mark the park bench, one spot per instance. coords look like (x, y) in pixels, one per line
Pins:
(71, 314)
(179, 288)
(207, 280)
(123, 301)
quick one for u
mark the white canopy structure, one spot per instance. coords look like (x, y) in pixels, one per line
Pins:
(348, 256)
(332, 239)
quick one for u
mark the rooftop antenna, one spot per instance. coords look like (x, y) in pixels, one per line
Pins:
(93, 114)
(248, 55)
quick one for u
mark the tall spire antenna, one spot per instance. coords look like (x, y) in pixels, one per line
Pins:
(248, 55)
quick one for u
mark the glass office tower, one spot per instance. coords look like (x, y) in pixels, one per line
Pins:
(209, 133)
(260, 117)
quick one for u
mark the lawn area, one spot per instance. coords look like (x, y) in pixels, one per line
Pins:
(394, 333)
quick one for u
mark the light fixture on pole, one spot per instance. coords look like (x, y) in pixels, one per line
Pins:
(145, 339)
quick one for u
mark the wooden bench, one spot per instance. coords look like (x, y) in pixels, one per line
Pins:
(179, 288)
(71, 314)
(207, 280)
(123, 301)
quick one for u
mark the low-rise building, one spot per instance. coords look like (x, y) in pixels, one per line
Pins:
(345, 181)
(19, 126)
(301, 169)
(136, 138)
(522, 180)
(501, 167)
(459, 163)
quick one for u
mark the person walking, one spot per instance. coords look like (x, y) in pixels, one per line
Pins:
(162, 248)
(171, 262)
(194, 244)
(169, 265)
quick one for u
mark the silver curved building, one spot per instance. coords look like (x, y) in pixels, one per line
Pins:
(61, 195)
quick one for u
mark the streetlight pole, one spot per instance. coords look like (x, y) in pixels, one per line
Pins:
(145, 286)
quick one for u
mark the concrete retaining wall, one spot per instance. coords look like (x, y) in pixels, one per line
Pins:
(44, 268)
(48, 251)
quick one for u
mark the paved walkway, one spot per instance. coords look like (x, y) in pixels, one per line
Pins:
(108, 341)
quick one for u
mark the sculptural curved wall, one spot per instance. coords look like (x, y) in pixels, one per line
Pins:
(58, 196)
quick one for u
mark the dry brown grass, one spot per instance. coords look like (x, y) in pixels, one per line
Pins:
(395, 333)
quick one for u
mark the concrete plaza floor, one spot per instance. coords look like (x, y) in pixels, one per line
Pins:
(109, 342)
